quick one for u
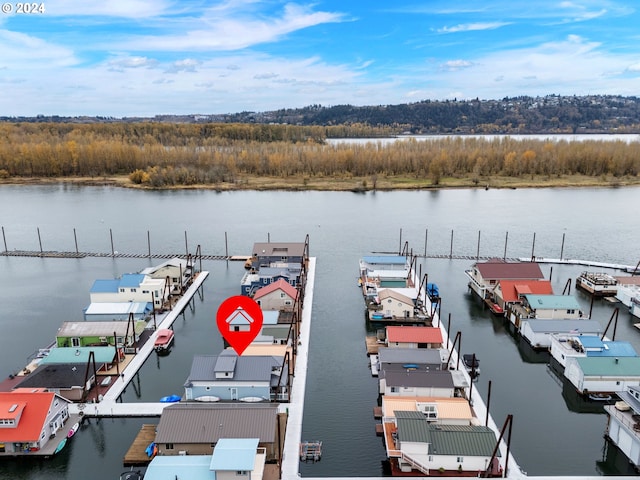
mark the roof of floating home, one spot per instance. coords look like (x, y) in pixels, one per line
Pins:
(93, 329)
(628, 280)
(418, 356)
(460, 440)
(540, 325)
(409, 334)
(56, 376)
(418, 378)
(512, 289)
(245, 368)
(34, 407)
(278, 249)
(174, 262)
(385, 259)
(170, 467)
(450, 408)
(234, 454)
(609, 366)
(501, 270)
(280, 284)
(393, 294)
(118, 308)
(553, 302)
(74, 355)
(207, 423)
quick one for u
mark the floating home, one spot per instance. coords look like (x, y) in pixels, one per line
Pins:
(30, 421)
(544, 307)
(602, 374)
(510, 292)
(405, 336)
(438, 410)
(90, 334)
(484, 277)
(177, 272)
(196, 427)
(384, 271)
(417, 446)
(564, 346)
(279, 295)
(623, 425)
(231, 377)
(232, 459)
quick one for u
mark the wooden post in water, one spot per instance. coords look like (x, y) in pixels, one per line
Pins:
(400, 244)
(486, 416)
(4, 239)
(268, 237)
(226, 246)
(506, 239)
(451, 246)
(478, 249)
(186, 244)
(533, 247)
(39, 239)
(562, 247)
(426, 237)
(75, 239)
(111, 237)
(149, 243)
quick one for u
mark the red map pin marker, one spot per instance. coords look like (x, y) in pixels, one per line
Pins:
(239, 321)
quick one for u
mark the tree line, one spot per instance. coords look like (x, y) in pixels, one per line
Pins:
(161, 155)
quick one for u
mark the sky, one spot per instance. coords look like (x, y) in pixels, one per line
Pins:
(124, 58)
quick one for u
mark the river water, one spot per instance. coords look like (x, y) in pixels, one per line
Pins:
(554, 433)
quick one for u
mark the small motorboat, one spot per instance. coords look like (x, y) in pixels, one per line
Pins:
(252, 399)
(131, 475)
(171, 399)
(472, 364)
(163, 340)
(600, 397)
(72, 431)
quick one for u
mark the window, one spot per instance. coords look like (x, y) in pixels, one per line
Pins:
(145, 291)
(133, 290)
(571, 311)
(122, 290)
(394, 389)
(169, 446)
(241, 472)
(460, 459)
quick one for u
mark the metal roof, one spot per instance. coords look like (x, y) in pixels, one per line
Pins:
(553, 302)
(610, 366)
(131, 280)
(247, 368)
(205, 423)
(92, 329)
(170, 467)
(431, 356)
(564, 326)
(500, 270)
(278, 249)
(105, 286)
(118, 308)
(418, 378)
(69, 355)
(234, 454)
(459, 440)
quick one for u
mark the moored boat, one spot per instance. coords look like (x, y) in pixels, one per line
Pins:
(171, 399)
(164, 340)
(207, 398)
(60, 446)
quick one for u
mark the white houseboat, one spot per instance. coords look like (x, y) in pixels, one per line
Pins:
(597, 283)
(623, 426)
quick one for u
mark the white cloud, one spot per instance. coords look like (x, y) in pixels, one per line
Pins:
(467, 27)
(453, 65)
(633, 68)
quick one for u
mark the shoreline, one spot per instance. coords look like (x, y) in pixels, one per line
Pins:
(342, 184)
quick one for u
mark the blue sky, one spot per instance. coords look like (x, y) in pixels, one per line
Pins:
(146, 57)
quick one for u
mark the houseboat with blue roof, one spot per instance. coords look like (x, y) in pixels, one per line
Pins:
(564, 346)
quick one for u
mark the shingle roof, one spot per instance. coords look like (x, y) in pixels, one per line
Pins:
(56, 376)
(280, 284)
(448, 408)
(409, 334)
(204, 423)
(385, 293)
(499, 270)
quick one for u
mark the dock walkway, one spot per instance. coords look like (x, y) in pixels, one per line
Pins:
(109, 404)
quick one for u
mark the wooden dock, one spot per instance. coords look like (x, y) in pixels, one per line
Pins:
(137, 455)
(60, 254)
(372, 344)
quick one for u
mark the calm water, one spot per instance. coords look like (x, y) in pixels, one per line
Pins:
(553, 433)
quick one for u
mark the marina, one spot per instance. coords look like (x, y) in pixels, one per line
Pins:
(452, 304)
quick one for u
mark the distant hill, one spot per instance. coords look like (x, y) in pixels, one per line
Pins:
(548, 114)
